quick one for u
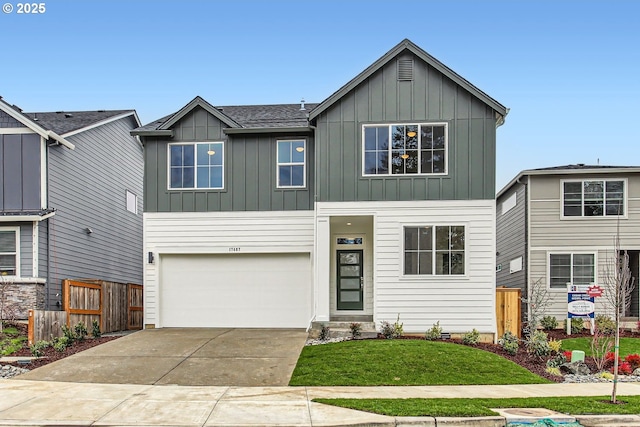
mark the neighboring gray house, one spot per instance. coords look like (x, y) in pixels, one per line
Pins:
(70, 202)
(377, 202)
(557, 225)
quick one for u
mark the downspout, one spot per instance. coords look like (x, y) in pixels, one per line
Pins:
(315, 231)
(526, 243)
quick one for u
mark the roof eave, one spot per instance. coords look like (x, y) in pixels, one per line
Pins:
(168, 133)
(292, 130)
(195, 102)
(47, 134)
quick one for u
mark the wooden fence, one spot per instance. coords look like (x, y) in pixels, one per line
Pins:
(115, 306)
(508, 311)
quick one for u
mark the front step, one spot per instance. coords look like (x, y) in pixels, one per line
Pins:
(342, 329)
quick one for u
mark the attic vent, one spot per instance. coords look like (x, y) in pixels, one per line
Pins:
(67, 115)
(405, 69)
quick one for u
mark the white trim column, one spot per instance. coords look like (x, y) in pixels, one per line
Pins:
(323, 268)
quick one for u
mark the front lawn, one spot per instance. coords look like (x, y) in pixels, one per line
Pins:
(627, 345)
(481, 407)
(404, 362)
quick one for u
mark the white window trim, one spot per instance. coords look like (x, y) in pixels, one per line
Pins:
(195, 144)
(583, 217)
(570, 252)
(17, 252)
(389, 125)
(135, 202)
(434, 275)
(509, 203)
(304, 164)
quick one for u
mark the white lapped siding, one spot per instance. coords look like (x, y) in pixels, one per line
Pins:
(459, 303)
(220, 233)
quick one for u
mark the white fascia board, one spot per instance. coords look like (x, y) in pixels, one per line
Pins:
(104, 122)
(30, 218)
(49, 134)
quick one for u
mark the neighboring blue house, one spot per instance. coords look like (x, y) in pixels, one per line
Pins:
(377, 202)
(70, 202)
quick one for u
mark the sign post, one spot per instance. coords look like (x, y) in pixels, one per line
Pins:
(579, 304)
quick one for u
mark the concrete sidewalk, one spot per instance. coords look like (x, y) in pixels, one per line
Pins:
(33, 403)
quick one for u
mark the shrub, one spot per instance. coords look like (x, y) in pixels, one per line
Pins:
(549, 322)
(567, 355)
(553, 370)
(95, 329)
(557, 360)
(538, 345)
(555, 345)
(434, 333)
(356, 329)
(605, 375)
(471, 338)
(509, 343)
(324, 333)
(37, 349)
(610, 357)
(633, 360)
(624, 368)
(80, 331)
(391, 330)
(577, 325)
(68, 334)
(605, 325)
(61, 343)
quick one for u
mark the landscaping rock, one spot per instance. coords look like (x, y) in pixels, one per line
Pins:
(636, 373)
(8, 371)
(576, 368)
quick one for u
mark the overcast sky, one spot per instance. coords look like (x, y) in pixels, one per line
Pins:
(568, 70)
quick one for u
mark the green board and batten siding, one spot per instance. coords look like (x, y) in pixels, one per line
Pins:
(429, 97)
(249, 174)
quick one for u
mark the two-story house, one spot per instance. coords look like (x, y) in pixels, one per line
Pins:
(70, 203)
(376, 203)
(557, 226)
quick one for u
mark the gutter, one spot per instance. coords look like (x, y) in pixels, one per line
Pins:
(52, 135)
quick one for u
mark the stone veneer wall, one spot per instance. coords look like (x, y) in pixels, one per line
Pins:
(16, 299)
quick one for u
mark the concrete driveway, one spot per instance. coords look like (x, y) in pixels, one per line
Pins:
(184, 356)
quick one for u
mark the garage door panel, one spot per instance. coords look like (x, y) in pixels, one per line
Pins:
(239, 290)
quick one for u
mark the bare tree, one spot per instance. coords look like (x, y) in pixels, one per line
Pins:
(538, 302)
(7, 308)
(618, 283)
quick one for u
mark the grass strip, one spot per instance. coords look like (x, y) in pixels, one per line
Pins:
(627, 345)
(577, 405)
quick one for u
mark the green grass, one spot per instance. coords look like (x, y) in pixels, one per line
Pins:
(627, 345)
(404, 362)
(10, 341)
(481, 407)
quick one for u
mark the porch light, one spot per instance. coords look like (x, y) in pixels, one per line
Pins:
(411, 134)
(211, 152)
(299, 149)
(405, 156)
(348, 223)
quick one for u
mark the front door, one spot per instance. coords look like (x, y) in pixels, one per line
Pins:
(350, 280)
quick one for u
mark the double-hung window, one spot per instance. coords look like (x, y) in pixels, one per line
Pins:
(593, 198)
(577, 269)
(405, 149)
(434, 250)
(291, 164)
(9, 251)
(196, 165)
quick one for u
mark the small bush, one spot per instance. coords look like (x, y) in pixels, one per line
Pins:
(555, 345)
(509, 343)
(633, 360)
(68, 334)
(95, 329)
(471, 338)
(391, 330)
(434, 333)
(549, 322)
(61, 343)
(624, 368)
(557, 360)
(324, 333)
(567, 355)
(577, 325)
(605, 375)
(610, 358)
(538, 345)
(606, 325)
(80, 331)
(553, 370)
(356, 329)
(37, 349)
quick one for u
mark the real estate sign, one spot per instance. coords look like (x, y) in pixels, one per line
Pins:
(580, 304)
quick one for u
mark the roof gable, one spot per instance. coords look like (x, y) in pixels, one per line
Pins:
(408, 45)
(198, 102)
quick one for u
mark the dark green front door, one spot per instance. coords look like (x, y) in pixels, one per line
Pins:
(350, 280)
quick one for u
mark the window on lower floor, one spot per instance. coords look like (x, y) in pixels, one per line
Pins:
(577, 269)
(196, 165)
(593, 198)
(434, 250)
(9, 251)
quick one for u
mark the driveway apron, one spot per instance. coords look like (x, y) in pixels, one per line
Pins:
(184, 356)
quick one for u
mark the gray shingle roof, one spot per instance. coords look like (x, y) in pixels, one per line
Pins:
(580, 166)
(62, 122)
(255, 116)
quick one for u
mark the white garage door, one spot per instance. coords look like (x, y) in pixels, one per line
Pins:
(236, 290)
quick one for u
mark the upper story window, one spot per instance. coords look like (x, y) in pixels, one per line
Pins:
(291, 163)
(404, 149)
(9, 251)
(196, 165)
(132, 202)
(434, 250)
(593, 198)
